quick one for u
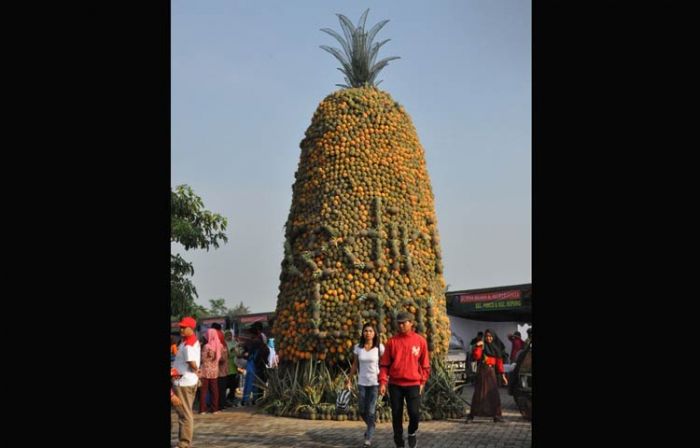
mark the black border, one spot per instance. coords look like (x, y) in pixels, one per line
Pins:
(107, 201)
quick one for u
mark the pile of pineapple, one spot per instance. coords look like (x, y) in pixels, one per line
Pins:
(361, 239)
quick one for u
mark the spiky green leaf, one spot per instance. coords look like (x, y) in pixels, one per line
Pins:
(358, 62)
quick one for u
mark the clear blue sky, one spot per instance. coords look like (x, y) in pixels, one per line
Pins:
(248, 75)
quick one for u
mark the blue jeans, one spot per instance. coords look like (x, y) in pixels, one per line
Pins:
(367, 406)
(248, 387)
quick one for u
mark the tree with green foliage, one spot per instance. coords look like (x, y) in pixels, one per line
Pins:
(218, 307)
(239, 310)
(193, 227)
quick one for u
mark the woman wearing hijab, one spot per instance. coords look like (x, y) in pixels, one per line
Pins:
(486, 401)
(211, 353)
(223, 366)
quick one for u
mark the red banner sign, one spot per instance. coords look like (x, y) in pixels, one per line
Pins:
(490, 296)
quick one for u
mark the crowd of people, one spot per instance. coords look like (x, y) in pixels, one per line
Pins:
(206, 373)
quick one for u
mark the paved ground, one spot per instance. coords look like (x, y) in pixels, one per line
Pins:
(244, 427)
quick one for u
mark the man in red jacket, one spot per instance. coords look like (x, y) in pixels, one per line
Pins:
(406, 364)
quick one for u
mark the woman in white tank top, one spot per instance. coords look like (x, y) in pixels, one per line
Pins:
(366, 361)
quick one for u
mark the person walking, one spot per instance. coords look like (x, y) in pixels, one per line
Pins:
(486, 400)
(367, 353)
(405, 366)
(186, 365)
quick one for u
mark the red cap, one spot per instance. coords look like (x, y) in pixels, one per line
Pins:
(188, 322)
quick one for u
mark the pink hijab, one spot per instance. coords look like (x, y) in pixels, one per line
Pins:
(214, 343)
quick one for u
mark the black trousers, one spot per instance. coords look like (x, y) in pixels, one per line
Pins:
(223, 382)
(397, 394)
(232, 381)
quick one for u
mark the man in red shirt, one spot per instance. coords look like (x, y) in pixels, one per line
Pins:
(405, 366)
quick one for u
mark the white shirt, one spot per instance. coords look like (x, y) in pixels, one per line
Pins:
(368, 362)
(186, 353)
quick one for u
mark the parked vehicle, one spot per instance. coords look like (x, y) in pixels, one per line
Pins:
(520, 382)
(457, 361)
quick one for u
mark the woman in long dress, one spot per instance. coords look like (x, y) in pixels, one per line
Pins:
(211, 353)
(486, 401)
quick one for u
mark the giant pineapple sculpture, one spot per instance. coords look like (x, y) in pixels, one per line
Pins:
(361, 239)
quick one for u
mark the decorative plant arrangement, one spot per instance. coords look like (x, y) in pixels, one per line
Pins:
(361, 242)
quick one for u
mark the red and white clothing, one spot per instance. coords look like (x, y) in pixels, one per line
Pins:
(405, 361)
(478, 354)
(188, 350)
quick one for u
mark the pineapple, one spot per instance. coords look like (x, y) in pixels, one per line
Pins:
(361, 239)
